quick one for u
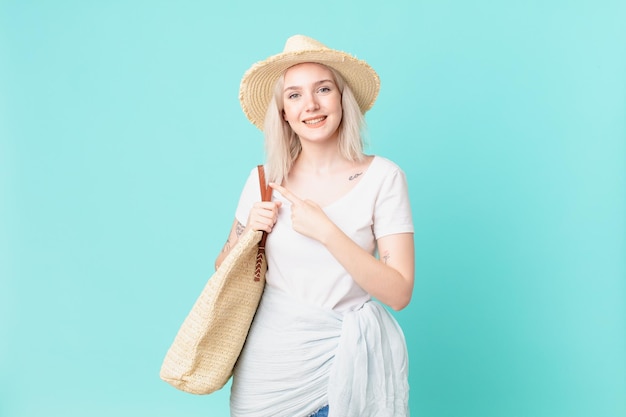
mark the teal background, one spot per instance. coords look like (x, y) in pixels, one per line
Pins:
(123, 150)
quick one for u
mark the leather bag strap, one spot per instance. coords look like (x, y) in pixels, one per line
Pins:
(266, 190)
(266, 195)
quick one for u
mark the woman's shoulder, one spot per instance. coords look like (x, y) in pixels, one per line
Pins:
(385, 164)
(253, 173)
(251, 183)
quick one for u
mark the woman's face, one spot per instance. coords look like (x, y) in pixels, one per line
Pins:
(312, 102)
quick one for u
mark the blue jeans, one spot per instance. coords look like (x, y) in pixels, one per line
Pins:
(322, 412)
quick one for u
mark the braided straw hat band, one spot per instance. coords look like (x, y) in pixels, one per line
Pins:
(256, 89)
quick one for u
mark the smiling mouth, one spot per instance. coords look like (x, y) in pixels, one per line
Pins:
(314, 121)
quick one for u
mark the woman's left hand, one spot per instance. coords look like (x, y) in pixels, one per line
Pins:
(390, 279)
(307, 217)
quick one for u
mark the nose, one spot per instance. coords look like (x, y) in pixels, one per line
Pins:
(311, 102)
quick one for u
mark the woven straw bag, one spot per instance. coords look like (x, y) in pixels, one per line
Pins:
(208, 343)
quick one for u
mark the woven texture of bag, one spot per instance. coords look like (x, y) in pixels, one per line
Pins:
(204, 352)
(207, 345)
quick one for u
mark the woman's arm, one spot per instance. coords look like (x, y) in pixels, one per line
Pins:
(389, 279)
(235, 231)
(263, 216)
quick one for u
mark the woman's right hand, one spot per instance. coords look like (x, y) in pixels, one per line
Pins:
(263, 216)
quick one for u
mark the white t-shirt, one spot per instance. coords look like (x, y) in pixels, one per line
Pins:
(375, 207)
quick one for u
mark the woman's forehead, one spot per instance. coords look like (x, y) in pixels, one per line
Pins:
(308, 71)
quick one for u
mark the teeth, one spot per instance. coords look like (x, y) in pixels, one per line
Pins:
(313, 121)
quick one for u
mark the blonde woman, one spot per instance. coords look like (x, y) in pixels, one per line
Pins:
(340, 234)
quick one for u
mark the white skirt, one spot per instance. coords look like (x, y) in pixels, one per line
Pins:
(299, 358)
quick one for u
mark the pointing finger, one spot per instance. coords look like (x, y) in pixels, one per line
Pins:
(291, 197)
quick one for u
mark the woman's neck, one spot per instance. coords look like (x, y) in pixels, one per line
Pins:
(320, 160)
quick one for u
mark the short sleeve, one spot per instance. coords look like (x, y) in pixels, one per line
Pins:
(250, 194)
(392, 212)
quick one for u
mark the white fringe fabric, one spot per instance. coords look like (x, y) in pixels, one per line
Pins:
(298, 358)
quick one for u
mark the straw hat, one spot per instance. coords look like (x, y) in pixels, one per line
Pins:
(257, 83)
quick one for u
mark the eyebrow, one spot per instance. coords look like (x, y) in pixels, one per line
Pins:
(297, 87)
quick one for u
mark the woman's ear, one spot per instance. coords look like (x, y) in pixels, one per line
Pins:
(283, 113)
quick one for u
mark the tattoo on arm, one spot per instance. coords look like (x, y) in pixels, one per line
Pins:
(386, 256)
(239, 229)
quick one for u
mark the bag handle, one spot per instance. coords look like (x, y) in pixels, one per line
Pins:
(266, 195)
(266, 190)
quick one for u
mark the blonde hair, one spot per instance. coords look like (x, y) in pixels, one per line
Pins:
(282, 145)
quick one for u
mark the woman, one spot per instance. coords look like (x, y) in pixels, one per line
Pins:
(339, 234)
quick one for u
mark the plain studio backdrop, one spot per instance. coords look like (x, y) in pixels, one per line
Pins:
(123, 150)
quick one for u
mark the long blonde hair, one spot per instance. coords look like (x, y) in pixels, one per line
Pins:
(282, 145)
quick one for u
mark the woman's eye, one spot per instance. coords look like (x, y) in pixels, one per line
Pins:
(324, 89)
(293, 95)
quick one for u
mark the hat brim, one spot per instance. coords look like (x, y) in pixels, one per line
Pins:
(256, 87)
